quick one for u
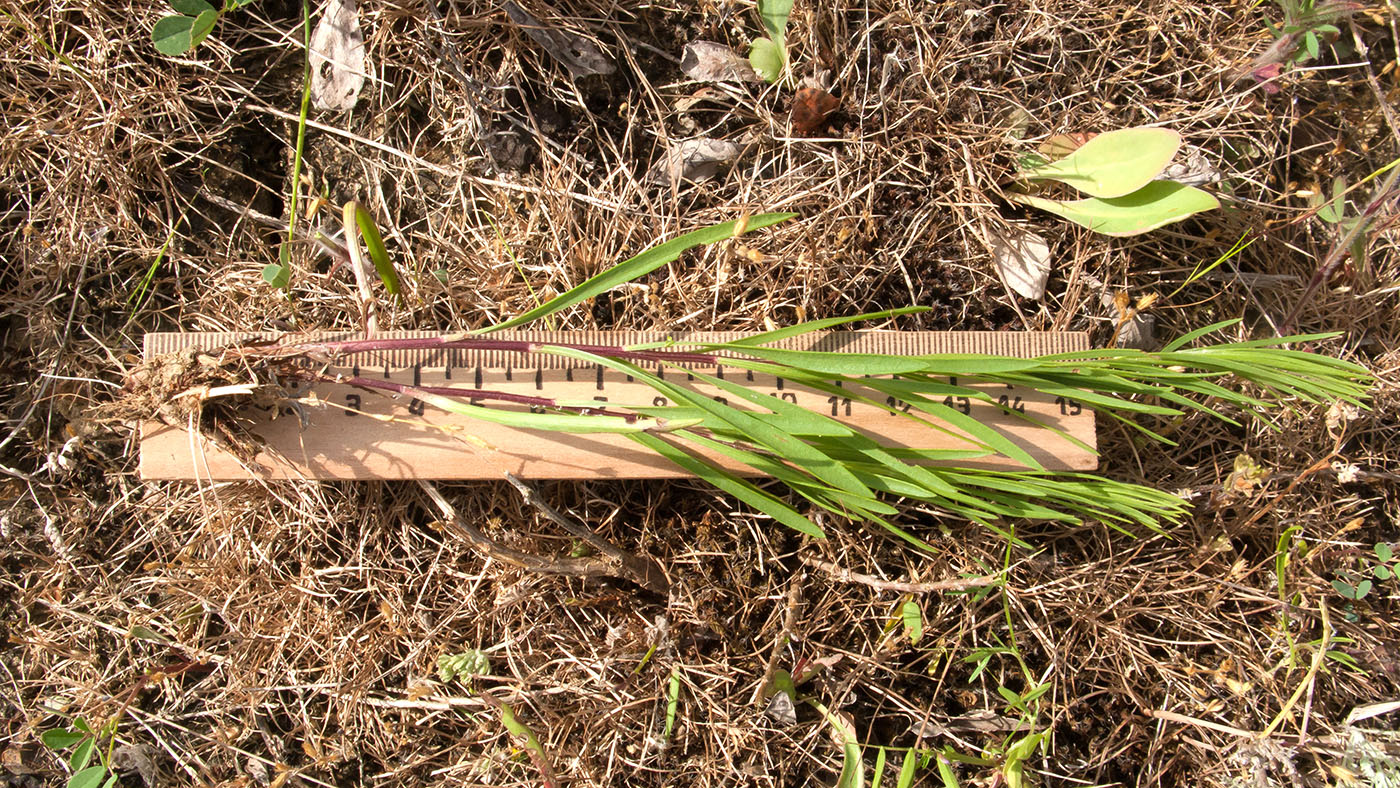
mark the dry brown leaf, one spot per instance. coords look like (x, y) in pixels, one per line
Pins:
(578, 54)
(707, 61)
(337, 57)
(1023, 260)
(810, 109)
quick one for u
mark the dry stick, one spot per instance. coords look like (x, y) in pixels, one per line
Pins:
(574, 567)
(794, 601)
(847, 576)
(645, 572)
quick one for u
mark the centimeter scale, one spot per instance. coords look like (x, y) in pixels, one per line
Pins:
(350, 433)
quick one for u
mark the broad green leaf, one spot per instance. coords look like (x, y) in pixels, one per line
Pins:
(913, 618)
(82, 756)
(91, 777)
(60, 738)
(774, 16)
(641, 265)
(203, 25)
(1114, 163)
(729, 483)
(1156, 204)
(173, 35)
(767, 58)
(1384, 552)
(191, 7)
(277, 275)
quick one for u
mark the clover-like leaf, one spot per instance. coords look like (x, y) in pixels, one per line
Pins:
(172, 34)
(191, 7)
(1114, 164)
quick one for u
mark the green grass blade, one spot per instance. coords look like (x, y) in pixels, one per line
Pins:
(729, 483)
(642, 264)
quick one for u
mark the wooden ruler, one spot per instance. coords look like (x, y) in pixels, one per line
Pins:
(353, 436)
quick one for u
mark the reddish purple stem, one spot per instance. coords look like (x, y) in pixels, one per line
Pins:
(466, 393)
(341, 347)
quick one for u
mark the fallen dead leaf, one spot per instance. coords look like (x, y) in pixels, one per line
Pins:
(337, 57)
(1023, 260)
(693, 160)
(578, 54)
(707, 61)
(811, 107)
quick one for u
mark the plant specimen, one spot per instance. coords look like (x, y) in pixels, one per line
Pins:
(1119, 171)
(768, 56)
(821, 460)
(85, 742)
(181, 32)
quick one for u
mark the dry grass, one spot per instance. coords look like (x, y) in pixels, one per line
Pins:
(315, 613)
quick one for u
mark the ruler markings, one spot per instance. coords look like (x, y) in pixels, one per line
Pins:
(334, 448)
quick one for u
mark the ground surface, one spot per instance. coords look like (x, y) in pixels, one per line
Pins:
(299, 625)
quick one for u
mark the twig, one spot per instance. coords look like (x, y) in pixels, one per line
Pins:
(645, 572)
(847, 576)
(794, 601)
(574, 567)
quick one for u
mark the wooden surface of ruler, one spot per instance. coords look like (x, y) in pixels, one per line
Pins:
(360, 434)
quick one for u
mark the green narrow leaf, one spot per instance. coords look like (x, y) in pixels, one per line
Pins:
(908, 769)
(945, 773)
(374, 242)
(1188, 338)
(551, 422)
(1115, 163)
(1156, 204)
(879, 774)
(673, 699)
(642, 264)
(852, 769)
(172, 34)
(729, 483)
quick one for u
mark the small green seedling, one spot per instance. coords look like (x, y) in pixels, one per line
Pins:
(179, 33)
(1385, 566)
(84, 741)
(1333, 210)
(1305, 23)
(768, 56)
(1118, 170)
